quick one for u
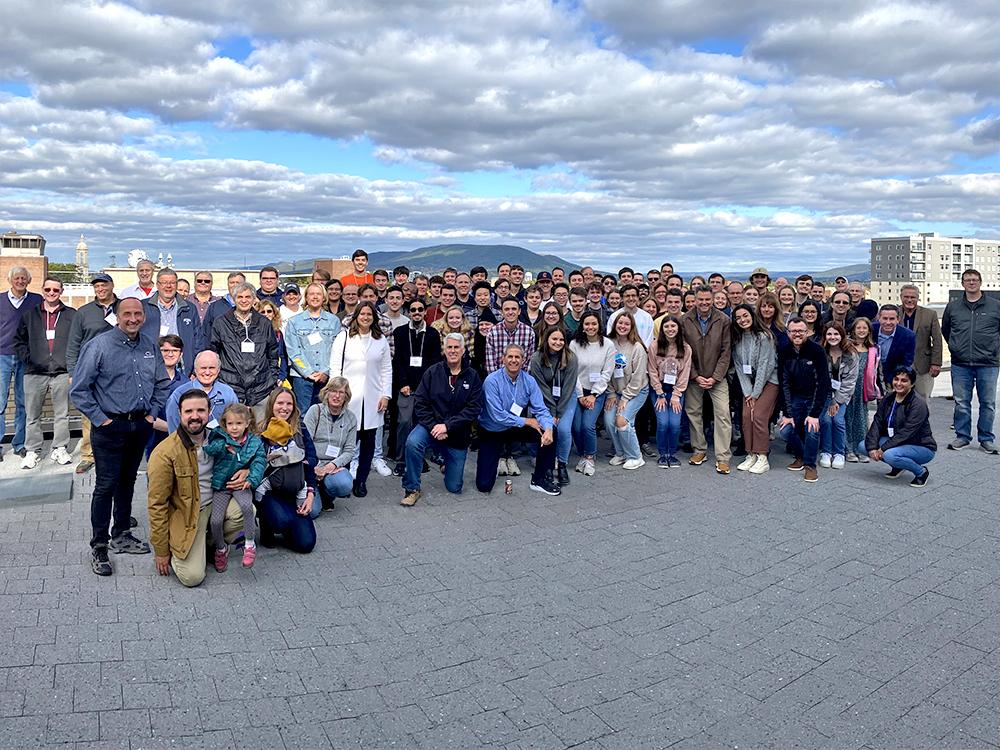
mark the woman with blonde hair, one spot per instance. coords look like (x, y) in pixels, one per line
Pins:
(454, 320)
(335, 432)
(270, 311)
(627, 393)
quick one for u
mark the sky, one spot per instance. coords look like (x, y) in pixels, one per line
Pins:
(713, 134)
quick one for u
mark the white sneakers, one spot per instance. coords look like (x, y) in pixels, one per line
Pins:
(825, 460)
(508, 468)
(30, 460)
(60, 456)
(749, 461)
(838, 461)
(632, 463)
(588, 467)
(760, 465)
(382, 467)
(617, 460)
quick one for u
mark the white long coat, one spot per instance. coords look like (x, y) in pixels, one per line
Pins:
(367, 365)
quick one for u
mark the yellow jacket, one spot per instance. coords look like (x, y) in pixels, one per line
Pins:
(174, 497)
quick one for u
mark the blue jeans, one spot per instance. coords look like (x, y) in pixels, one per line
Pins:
(984, 379)
(277, 515)
(333, 486)
(802, 443)
(12, 371)
(833, 431)
(907, 457)
(564, 431)
(585, 426)
(306, 392)
(417, 443)
(625, 441)
(668, 424)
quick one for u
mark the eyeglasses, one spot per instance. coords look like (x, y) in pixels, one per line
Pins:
(165, 350)
(841, 302)
(202, 281)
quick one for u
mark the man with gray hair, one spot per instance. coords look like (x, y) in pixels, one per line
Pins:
(168, 313)
(143, 288)
(14, 303)
(924, 323)
(206, 378)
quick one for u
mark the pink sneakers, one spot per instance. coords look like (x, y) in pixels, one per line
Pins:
(222, 559)
(249, 555)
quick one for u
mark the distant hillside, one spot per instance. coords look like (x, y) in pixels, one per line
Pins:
(437, 257)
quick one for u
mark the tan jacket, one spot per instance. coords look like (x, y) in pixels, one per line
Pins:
(928, 348)
(174, 497)
(711, 353)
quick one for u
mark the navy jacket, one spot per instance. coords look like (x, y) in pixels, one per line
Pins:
(804, 374)
(436, 402)
(188, 328)
(901, 352)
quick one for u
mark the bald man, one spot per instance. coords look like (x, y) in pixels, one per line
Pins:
(206, 378)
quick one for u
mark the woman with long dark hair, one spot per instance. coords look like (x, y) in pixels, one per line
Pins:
(595, 356)
(755, 361)
(669, 367)
(554, 368)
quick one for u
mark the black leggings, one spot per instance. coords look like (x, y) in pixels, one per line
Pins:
(366, 451)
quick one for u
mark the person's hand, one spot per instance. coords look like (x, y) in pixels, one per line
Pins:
(675, 403)
(150, 418)
(834, 408)
(105, 423)
(750, 401)
(322, 471)
(439, 431)
(661, 402)
(706, 383)
(785, 422)
(812, 424)
(383, 404)
(609, 405)
(935, 370)
(588, 402)
(533, 424)
(405, 390)
(239, 480)
(876, 455)
(163, 565)
(620, 422)
(547, 437)
(306, 508)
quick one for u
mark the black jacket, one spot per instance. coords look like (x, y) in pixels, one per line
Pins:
(911, 423)
(403, 339)
(436, 402)
(804, 374)
(251, 376)
(972, 330)
(90, 320)
(32, 347)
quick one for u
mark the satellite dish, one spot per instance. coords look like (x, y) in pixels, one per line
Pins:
(135, 256)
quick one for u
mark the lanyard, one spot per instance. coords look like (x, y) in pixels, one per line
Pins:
(423, 341)
(892, 414)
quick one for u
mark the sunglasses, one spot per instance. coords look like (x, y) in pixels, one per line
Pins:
(51, 289)
(202, 281)
(416, 310)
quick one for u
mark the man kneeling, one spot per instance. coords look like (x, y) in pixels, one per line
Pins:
(180, 494)
(446, 401)
(509, 393)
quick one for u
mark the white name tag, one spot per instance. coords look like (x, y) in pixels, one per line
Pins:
(619, 372)
(314, 338)
(213, 423)
(515, 409)
(669, 379)
(747, 369)
(556, 391)
(247, 347)
(50, 334)
(164, 330)
(595, 377)
(416, 361)
(835, 385)
(332, 451)
(891, 431)
(111, 319)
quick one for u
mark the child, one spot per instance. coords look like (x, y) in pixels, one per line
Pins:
(234, 446)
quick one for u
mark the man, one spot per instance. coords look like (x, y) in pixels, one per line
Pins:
(675, 281)
(40, 343)
(463, 292)
(803, 288)
(394, 308)
(349, 296)
(625, 276)
(643, 320)
(840, 284)
(477, 274)
(759, 279)
(446, 403)
(818, 295)
(804, 382)
(716, 282)
(734, 293)
(180, 494)
(595, 301)
(449, 275)
(707, 331)
(320, 275)
(423, 285)
(924, 323)
(517, 283)
(666, 269)
(577, 307)
(971, 326)
(866, 308)
(291, 304)
(184, 291)
(416, 347)
(896, 345)
(575, 279)
(143, 288)
(14, 303)
(359, 275)
(220, 306)
(447, 298)
(165, 313)
(780, 282)
(206, 378)
(558, 275)
(269, 286)
(509, 394)
(409, 291)
(652, 277)
(503, 270)
(202, 297)
(248, 351)
(119, 384)
(588, 276)
(90, 320)
(560, 294)
(510, 331)
(380, 280)
(544, 283)
(400, 275)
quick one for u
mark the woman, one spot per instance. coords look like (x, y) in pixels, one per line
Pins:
(532, 312)
(486, 322)
(614, 298)
(454, 321)
(360, 353)
(554, 368)
(697, 282)
(334, 297)
(770, 320)
(595, 357)
(308, 338)
(811, 312)
(843, 363)
(659, 296)
(552, 317)
(786, 303)
(720, 301)
(840, 310)
(650, 306)
(669, 367)
(171, 351)
(755, 360)
(335, 432)
(628, 391)
(751, 295)
(867, 388)
(291, 459)
(270, 311)
(900, 433)
(689, 299)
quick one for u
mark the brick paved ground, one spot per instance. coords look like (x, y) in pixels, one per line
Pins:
(648, 609)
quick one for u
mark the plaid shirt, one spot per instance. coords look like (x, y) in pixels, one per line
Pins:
(498, 340)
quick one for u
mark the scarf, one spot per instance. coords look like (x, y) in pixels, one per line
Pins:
(278, 431)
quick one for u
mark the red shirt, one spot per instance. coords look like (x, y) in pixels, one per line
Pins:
(353, 278)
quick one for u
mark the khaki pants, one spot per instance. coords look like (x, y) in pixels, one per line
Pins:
(694, 399)
(191, 570)
(35, 389)
(924, 385)
(86, 452)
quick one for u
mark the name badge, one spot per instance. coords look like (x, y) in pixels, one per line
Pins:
(247, 347)
(111, 319)
(314, 338)
(516, 409)
(416, 361)
(213, 423)
(164, 330)
(556, 391)
(595, 377)
(670, 379)
(332, 451)
(891, 431)
(619, 372)
(747, 369)
(835, 385)
(50, 334)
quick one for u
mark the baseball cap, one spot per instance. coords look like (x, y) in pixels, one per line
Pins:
(544, 276)
(102, 277)
(292, 288)
(760, 272)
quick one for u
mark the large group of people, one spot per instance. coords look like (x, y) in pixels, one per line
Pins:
(272, 403)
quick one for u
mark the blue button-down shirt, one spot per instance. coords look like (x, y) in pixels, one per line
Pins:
(500, 393)
(220, 396)
(168, 317)
(118, 375)
(885, 344)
